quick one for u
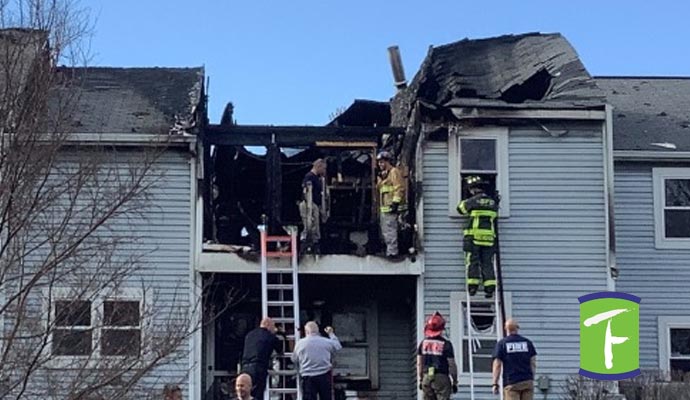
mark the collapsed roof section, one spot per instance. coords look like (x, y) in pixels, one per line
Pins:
(513, 71)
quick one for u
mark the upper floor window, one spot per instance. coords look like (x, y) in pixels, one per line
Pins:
(672, 207)
(483, 152)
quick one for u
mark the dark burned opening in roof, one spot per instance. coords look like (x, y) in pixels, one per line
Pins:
(536, 87)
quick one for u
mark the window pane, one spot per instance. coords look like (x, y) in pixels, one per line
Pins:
(121, 313)
(483, 316)
(680, 370)
(120, 342)
(677, 192)
(73, 313)
(677, 223)
(68, 342)
(478, 154)
(482, 357)
(680, 342)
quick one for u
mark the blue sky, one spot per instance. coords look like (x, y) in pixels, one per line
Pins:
(295, 62)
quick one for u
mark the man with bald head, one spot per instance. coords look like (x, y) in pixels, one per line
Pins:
(314, 356)
(243, 387)
(516, 356)
(259, 344)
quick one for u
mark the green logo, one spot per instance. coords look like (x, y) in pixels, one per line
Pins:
(609, 336)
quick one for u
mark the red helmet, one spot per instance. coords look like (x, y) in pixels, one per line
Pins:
(434, 325)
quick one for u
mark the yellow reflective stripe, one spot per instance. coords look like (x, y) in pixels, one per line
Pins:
(397, 199)
(490, 282)
(484, 213)
(386, 188)
(472, 281)
(462, 207)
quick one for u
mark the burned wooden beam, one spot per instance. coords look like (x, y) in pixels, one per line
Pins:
(264, 135)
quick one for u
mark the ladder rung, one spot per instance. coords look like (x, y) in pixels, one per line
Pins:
(278, 254)
(278, 239)
(280, 286)
(283, 320)
(283, 390)
(279, 270)
(283, 372)
(285, 355)
(280, 303)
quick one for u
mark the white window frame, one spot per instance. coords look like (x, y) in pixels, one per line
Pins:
(97, 303)
(457, 321)
(659, 176)
(498, 133)
(665, 324)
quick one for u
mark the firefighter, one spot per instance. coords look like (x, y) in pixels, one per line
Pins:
(479, 236)
(392, 195)
(310, 208)
(436, 367)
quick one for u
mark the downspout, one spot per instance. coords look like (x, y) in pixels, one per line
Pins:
(612, 270)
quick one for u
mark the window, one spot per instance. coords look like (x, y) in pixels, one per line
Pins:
(110, 327)
(121, 333)
(674, 347)
(73, 332)
(672, 207)
(486, 324)
(482, 152)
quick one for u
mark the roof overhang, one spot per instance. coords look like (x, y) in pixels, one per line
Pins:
(497, 113)
(646, 155)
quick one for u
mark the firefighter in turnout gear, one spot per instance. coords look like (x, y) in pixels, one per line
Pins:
(479, 236)
(391, 189)
(436, 367)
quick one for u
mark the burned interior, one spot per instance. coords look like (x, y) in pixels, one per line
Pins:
(255, 173)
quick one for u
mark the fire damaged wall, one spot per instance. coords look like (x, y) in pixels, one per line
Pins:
(264, 186)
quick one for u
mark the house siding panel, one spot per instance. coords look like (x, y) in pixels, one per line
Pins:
(659, 277)
(553, 245)
(162, 231)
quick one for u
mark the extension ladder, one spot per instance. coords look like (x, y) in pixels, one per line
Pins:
(280, 302)
(474, 344)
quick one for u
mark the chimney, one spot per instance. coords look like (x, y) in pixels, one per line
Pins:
(396, 65)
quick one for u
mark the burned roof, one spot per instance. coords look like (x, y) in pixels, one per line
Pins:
(513, 71)
(364, 113)
(132, 100)
(649, 113)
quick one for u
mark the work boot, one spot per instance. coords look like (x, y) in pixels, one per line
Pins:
(472, 289)
(489, 292)
(316, 249)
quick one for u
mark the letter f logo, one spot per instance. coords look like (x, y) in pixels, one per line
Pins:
(598, 345)
(609, 340)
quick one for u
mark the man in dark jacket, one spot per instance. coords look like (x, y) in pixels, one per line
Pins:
(479, 236)
(436, 367)
(311, 207)
(259, 344)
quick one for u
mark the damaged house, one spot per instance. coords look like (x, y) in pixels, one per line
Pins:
(521, 111)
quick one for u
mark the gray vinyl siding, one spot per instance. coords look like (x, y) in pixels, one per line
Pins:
(397, 376)
(553, 245)
(162, 230)
(659, 277)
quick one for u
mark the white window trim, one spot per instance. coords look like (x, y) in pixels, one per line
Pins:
(659, 175)
(97, 301)
(499, 133)
(457, 327)
(665, 324)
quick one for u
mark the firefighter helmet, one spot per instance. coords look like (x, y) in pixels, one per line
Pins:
(434, 325)
(474, 181)
(385, 155)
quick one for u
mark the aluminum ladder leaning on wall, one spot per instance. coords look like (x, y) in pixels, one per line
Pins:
(498, 324)
(280, 302)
